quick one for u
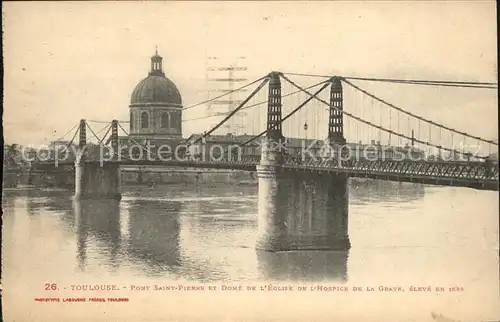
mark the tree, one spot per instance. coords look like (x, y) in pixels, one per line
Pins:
(13, 156)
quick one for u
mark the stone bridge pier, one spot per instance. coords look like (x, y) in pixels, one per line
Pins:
(96, 181)
(297, 209)
(301, 210)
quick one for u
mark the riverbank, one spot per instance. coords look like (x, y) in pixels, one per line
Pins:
(157, 176)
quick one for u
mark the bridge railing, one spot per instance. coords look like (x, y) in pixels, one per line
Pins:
(450, 169)
(472, 170)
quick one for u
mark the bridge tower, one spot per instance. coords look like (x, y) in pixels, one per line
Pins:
(95, 176)
(82, 134)
(299, 210)
(114, 137)
(336, 140)
(336, 117)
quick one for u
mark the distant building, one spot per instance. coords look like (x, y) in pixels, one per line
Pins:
(63, 143)
(358, 151)
(231, 145)
(218, 145)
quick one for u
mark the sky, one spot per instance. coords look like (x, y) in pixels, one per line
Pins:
(65, 61)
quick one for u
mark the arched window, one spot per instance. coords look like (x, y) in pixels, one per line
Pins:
(177, 120)
(165, 120)
(131, 121)
(144, 120)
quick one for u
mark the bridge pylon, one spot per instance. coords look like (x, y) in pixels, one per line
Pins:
(114, 137)
(82, 134)
(273, 142)
(298, 210)
(96, 178)
(336, 117)
(336, 138)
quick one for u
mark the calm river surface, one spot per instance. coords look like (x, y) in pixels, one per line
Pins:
(402, 235)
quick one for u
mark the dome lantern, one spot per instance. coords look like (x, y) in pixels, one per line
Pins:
(156, 65)
(156, 88)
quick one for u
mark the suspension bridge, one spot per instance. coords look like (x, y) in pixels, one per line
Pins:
(281, 116)
(303, 190)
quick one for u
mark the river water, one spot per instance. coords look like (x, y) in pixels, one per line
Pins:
(402, 235)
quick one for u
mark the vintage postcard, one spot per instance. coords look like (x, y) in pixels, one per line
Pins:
(250, 161)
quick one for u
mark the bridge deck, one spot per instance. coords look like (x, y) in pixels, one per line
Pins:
(478, 175)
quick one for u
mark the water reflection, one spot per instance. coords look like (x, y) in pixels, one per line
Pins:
(97, 225)
(33, 206)
(305, 266)
(38, 200)
(153, 234)
(180, 232)
(363, 191)
(8, 205)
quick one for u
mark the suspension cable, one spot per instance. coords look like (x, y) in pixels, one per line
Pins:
(222, 95)
(361, 139)
(102, 129)
(105, 122)
(418, 133)
(416, 116)
(72, 139)
(266, 79)
(380, 132)
(62, 137)
(134, 141)
(390, 125)
(406, 81)
(105, 134)
(399, 139)
(249, 106)
(92, 131)
(380, 127)
(289, 114)
(429, 83)
(372, 118)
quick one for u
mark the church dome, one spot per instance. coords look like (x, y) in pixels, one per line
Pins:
(156, 88)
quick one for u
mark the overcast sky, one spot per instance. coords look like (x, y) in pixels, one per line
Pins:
(67, 61)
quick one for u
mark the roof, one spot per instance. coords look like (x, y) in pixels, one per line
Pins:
(225, 139)
(156, 89)
(142, 140)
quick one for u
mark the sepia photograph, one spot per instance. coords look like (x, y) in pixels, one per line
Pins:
(250, 161)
